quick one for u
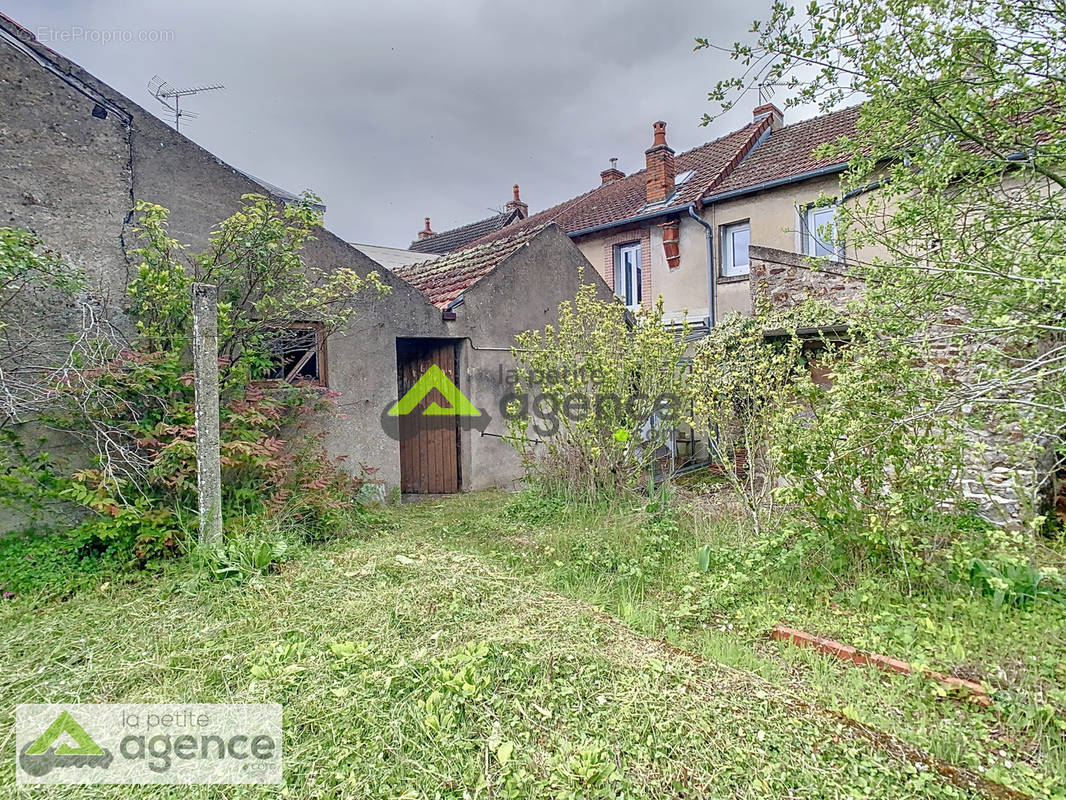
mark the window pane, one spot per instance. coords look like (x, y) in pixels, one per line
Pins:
(735, 241)
(741, 240)
(820, 232)
(627, 273)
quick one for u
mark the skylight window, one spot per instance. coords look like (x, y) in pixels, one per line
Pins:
(681, 177)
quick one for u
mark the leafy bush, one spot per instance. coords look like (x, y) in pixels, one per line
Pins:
(133, 405)
(243, 555)
(595, 396)
(56, 564)
(1013, 581)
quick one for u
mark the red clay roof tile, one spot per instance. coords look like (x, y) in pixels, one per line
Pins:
(444, 279)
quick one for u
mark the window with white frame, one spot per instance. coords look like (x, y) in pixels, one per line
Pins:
(735, 241)
(818, 230)
(627, 274)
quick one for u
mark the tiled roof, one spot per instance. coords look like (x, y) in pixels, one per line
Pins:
(444, 279)
(789, 152)
(743, 158)
(446, 241)
(627, 197)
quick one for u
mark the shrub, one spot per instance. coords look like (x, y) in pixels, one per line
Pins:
(595, 396)
(133, 405)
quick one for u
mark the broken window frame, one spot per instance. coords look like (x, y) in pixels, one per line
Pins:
(319, 351)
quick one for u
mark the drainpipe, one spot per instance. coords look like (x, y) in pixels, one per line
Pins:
(712, 311)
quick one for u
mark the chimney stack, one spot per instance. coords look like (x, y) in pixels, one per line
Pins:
(518, 205)
(427, 232)
(660, 166)
(611, 174)
(777, 119)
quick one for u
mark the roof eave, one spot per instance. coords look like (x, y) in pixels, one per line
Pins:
(772, 184)
(662, 212)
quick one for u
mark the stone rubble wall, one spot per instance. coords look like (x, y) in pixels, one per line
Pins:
(1005, 474)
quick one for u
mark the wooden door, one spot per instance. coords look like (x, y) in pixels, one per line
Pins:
(429, 445)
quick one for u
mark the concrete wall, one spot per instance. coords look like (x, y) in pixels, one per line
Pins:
(522, 293)
(73, 179)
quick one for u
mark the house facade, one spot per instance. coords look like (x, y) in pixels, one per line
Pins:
(680, 228)
(76, 156)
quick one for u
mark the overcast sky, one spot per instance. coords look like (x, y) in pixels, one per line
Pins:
(397, 110)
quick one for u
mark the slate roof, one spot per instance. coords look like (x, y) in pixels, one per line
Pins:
(390, 257)
(789, 152)
(446, 241)
(443, 280)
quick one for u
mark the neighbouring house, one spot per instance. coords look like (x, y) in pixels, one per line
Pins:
(75, 156)
(429, 242)
(680, 227)
(735, 219)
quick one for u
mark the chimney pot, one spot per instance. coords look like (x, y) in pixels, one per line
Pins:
(517, 205)
(611, 174)
(660, 170)
(426, 232)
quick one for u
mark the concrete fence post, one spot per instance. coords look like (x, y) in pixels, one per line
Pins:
(205, 379)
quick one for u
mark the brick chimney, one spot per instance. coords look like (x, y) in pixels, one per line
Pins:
(777, 119)
(517, 204)
(660, 160)
(427, 232)
(611, 174)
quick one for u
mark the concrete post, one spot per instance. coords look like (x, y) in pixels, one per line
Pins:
(205, 372)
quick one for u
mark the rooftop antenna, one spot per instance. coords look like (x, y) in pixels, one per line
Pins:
(164, 92)
(766, 91)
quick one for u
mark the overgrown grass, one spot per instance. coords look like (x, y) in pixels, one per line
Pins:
(646, 570)
(409, 667)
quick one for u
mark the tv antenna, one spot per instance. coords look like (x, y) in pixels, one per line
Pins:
(165, 93)
(766, 90)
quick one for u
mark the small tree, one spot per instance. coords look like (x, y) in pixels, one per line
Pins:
(962, 126)
(742, 386)
(599, 392)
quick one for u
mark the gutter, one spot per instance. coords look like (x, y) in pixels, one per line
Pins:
(814, 173)
(708, 232)
(662, 212)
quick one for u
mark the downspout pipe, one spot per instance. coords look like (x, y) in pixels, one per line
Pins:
(708, 231)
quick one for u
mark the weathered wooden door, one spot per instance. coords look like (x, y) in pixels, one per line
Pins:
(429, 445)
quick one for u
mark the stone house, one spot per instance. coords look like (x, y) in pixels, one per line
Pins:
(75, 156)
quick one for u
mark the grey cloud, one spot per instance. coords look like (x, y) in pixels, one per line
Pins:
(395, 111)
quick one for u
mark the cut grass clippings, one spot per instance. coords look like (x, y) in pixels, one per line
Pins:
(408, 670)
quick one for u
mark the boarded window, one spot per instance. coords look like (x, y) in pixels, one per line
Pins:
(297, 353)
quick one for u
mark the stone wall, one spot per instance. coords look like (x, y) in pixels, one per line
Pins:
(1005, 474)
(786, 279)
